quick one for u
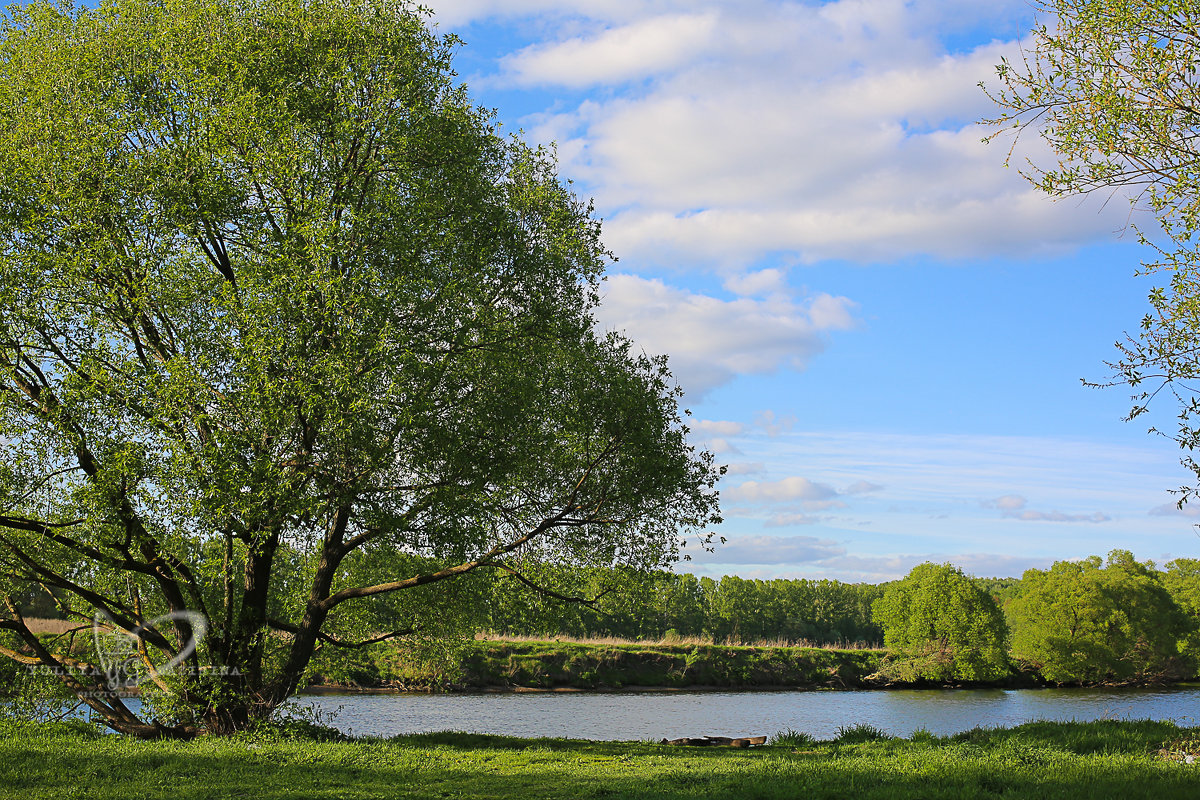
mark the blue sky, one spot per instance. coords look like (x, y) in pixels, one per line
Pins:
(878, 326)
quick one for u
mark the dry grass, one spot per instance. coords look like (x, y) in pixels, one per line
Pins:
(492, 636)
(39, 625)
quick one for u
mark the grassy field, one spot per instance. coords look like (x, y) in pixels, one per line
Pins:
(1041, 760)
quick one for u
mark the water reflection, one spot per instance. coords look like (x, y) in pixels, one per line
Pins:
(655, 715)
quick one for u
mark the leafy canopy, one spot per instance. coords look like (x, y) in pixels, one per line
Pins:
(941, 626)
(291, 338)
(1090, 622)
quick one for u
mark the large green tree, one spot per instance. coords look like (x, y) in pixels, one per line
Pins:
(1091, 622)
(1182, 582)
(1112, 87)
(939, 625)
(292, 342)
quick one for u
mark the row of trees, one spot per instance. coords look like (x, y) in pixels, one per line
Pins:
(658, 604)
(1092, 620)
(1079, 621)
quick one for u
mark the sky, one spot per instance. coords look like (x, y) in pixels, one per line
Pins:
(879, 327)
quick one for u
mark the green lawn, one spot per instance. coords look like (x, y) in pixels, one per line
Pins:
(1041, 760)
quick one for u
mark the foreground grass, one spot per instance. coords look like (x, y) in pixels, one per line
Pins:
(1039, 760)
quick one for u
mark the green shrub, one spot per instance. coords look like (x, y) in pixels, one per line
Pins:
(793, 738)
(860, 732)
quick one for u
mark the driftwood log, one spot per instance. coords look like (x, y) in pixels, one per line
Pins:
(717, 741)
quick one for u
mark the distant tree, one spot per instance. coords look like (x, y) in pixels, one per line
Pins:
(1002, 590)
(1090, 622)
(679, 605)
(733, 610)
(940, 626)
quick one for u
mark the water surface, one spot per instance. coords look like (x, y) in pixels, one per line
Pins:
(657, 715)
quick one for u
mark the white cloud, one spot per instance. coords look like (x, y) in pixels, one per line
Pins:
(718, 427)
(721, 446)
(630, 51)
(843, 130)
(459, 12)
(711, 340)
(791, 488)
(764, 281)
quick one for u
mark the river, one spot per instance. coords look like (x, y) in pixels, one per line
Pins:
(656, 715)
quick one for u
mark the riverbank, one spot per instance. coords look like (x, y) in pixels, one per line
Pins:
(554, 665)
(1098, 760)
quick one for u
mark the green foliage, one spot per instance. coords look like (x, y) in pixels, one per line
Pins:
(292, 340)
(939, 625)
(729, 610)
(1182, 582)
(793, 738)
(860, 732)
(1090, 622)
(922, 735)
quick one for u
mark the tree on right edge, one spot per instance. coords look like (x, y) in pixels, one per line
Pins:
(1112, 87)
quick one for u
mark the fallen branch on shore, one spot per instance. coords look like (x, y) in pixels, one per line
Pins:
(717, 741)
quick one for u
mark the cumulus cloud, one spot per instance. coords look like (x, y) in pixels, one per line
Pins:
(712, 340)
(838, 130)
(458, 12)
(772, 550)
(763, 281)
(719, 446)
(641, 48)
(747, 468)
(862, 487)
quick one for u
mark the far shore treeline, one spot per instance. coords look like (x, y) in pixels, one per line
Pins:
(1091, 621)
